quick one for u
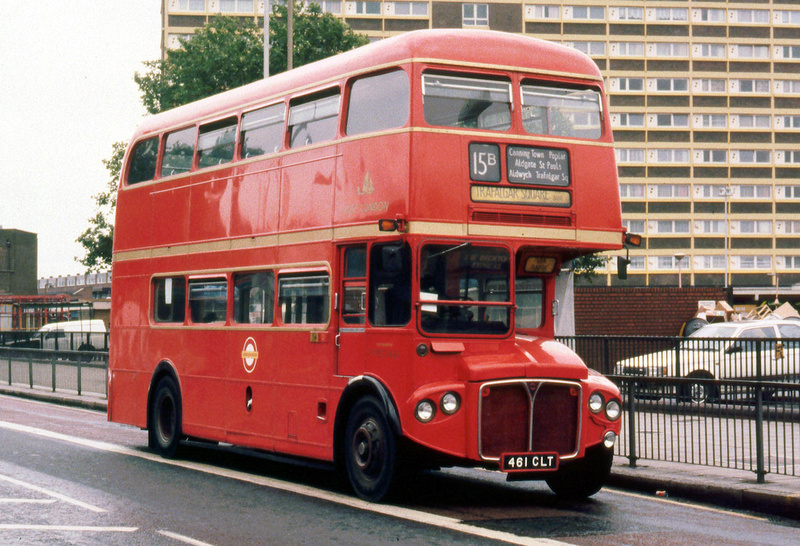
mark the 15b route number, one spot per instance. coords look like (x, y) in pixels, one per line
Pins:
(484, 162)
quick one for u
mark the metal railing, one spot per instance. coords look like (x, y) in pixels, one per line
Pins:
(72, 372)
(714, 402)
(55, 340)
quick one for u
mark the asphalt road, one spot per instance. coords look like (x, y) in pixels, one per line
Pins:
(69, 477)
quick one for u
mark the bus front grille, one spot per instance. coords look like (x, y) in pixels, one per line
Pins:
(529, 417)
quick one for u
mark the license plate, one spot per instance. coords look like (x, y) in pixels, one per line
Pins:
(528, 462)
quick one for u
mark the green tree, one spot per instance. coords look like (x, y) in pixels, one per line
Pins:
(585, 266)
(224, 54)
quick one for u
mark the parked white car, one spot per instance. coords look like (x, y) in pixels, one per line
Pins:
(87, 335)
(728, 350)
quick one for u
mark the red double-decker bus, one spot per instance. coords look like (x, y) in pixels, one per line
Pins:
(355, 262)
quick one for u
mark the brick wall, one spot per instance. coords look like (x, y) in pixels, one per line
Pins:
(638, 311)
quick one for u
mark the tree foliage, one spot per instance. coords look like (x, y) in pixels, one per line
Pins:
(585, 266)
(224, 54)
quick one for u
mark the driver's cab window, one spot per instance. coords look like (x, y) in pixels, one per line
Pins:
(529, 298)
(354, 285)
(390, 284)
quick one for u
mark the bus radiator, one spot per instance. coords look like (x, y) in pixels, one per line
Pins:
(529, 416)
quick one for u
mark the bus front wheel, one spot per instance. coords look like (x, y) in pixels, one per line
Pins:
(577, 480)
(164, 432)
(370, 450)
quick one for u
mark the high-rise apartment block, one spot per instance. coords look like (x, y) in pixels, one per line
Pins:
(705, 105)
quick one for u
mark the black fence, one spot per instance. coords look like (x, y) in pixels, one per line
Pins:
(84, 373)
(731, 403)
(55, 340)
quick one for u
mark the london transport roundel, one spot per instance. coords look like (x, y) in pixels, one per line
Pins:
(249, 355)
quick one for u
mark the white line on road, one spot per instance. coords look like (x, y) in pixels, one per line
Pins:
(185, 540)
(75, 528)
(417, 516)
(683, 504)
(53, 494)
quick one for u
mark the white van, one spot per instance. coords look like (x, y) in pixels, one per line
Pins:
(77, 335)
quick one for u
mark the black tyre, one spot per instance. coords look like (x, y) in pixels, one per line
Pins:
(700, 392)
(370, 450)
(577, 480)
(164, 432)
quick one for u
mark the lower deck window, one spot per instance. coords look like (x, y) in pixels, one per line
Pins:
(304, 298)
(169, 299)
(208, 300)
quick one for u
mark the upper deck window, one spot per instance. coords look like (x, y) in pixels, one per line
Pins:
(378, 103)
(178, 152)
(313, 120)
(560, 111)
(143, 161)
(262, 131)
(216, 143)
(457, 101)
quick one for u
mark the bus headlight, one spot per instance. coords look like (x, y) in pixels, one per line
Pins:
(596, 402)
(450, 403)
(425, 411)
(613, 410)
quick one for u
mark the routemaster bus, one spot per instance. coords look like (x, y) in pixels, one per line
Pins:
(355, 262)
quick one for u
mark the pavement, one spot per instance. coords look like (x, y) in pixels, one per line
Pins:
(720, 487)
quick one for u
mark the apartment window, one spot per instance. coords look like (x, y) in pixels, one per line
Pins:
(787, 17)
(791, 262)
(630, 14)
(671, 84)
(637, 262)
(331, 6)
(672, 226)
(670, 49)
(711, 85)
(753, 86)
(666, 262)
(711, 15)
(670, 155)
(671, 120)
(713, 121)
(628, 49)
(755, 262)
(236, 6)
(759, 16)
(704, 191)
(634, 226)
(634, 191)
(714, 51)
(475, 15)
(787, 87)
(411, 8)
(709, 262)
(754, 156)
(746, 51)
(791, 192)
(791, 156)
(629, 120)
(791, 226)
(672, 190)
(589, 48)
(671, 14)
(711, 227)
(755, 227)
(754, 121)
(631, 84)
(368, 8)
(712, 156)
(790, 52)
(588, 12)
(190, 5)
(543, 12)
(629, 155)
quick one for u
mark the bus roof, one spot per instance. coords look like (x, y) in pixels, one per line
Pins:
(465, 48)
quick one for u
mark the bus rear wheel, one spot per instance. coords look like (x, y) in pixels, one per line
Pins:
(370, 450)
(164, 432)
(577, 480)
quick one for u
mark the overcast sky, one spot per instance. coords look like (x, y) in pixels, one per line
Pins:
(66, 95)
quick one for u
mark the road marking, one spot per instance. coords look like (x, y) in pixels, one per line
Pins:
(442, 522)
(76, 528)
(185, 540)
(53, 494)
(683, 504)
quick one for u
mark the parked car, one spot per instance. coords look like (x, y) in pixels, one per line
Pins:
(728, 350)
(80, 335)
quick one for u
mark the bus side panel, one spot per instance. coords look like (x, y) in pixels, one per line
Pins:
(303, 401)
(210, 206)
(132, 218)
(440, 187)
(169, 210)
(307, 181)
(373, 179)
(255, 194)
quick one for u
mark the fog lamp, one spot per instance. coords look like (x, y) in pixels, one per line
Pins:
(425, 411)
(609, 439)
